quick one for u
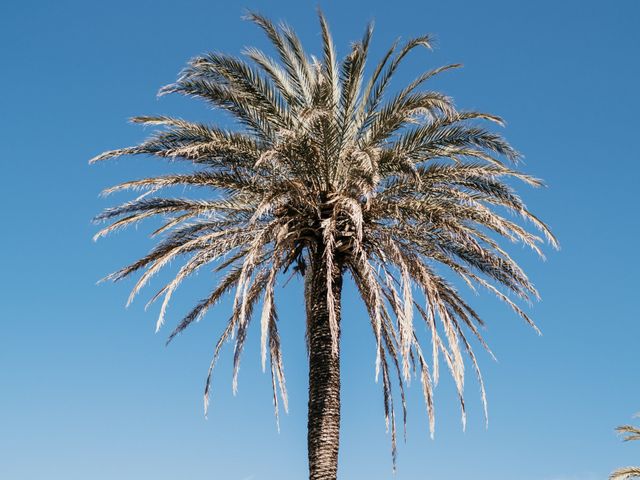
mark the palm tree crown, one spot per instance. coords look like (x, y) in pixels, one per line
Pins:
(329, 172)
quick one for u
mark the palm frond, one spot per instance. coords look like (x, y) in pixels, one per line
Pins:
(629, 433)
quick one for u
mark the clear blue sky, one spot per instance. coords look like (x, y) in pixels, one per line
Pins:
(87, 391)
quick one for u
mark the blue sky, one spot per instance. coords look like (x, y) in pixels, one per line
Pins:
(88, 391)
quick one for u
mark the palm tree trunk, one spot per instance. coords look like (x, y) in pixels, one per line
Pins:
(324, 375)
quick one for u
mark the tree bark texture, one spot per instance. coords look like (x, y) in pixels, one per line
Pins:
(324, 375)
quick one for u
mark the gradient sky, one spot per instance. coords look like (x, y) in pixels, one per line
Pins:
(87, 391)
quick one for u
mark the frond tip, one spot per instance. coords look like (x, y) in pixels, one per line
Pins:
(625, 473)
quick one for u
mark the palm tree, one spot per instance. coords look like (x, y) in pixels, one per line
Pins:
(327, 175)
(630, 433)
